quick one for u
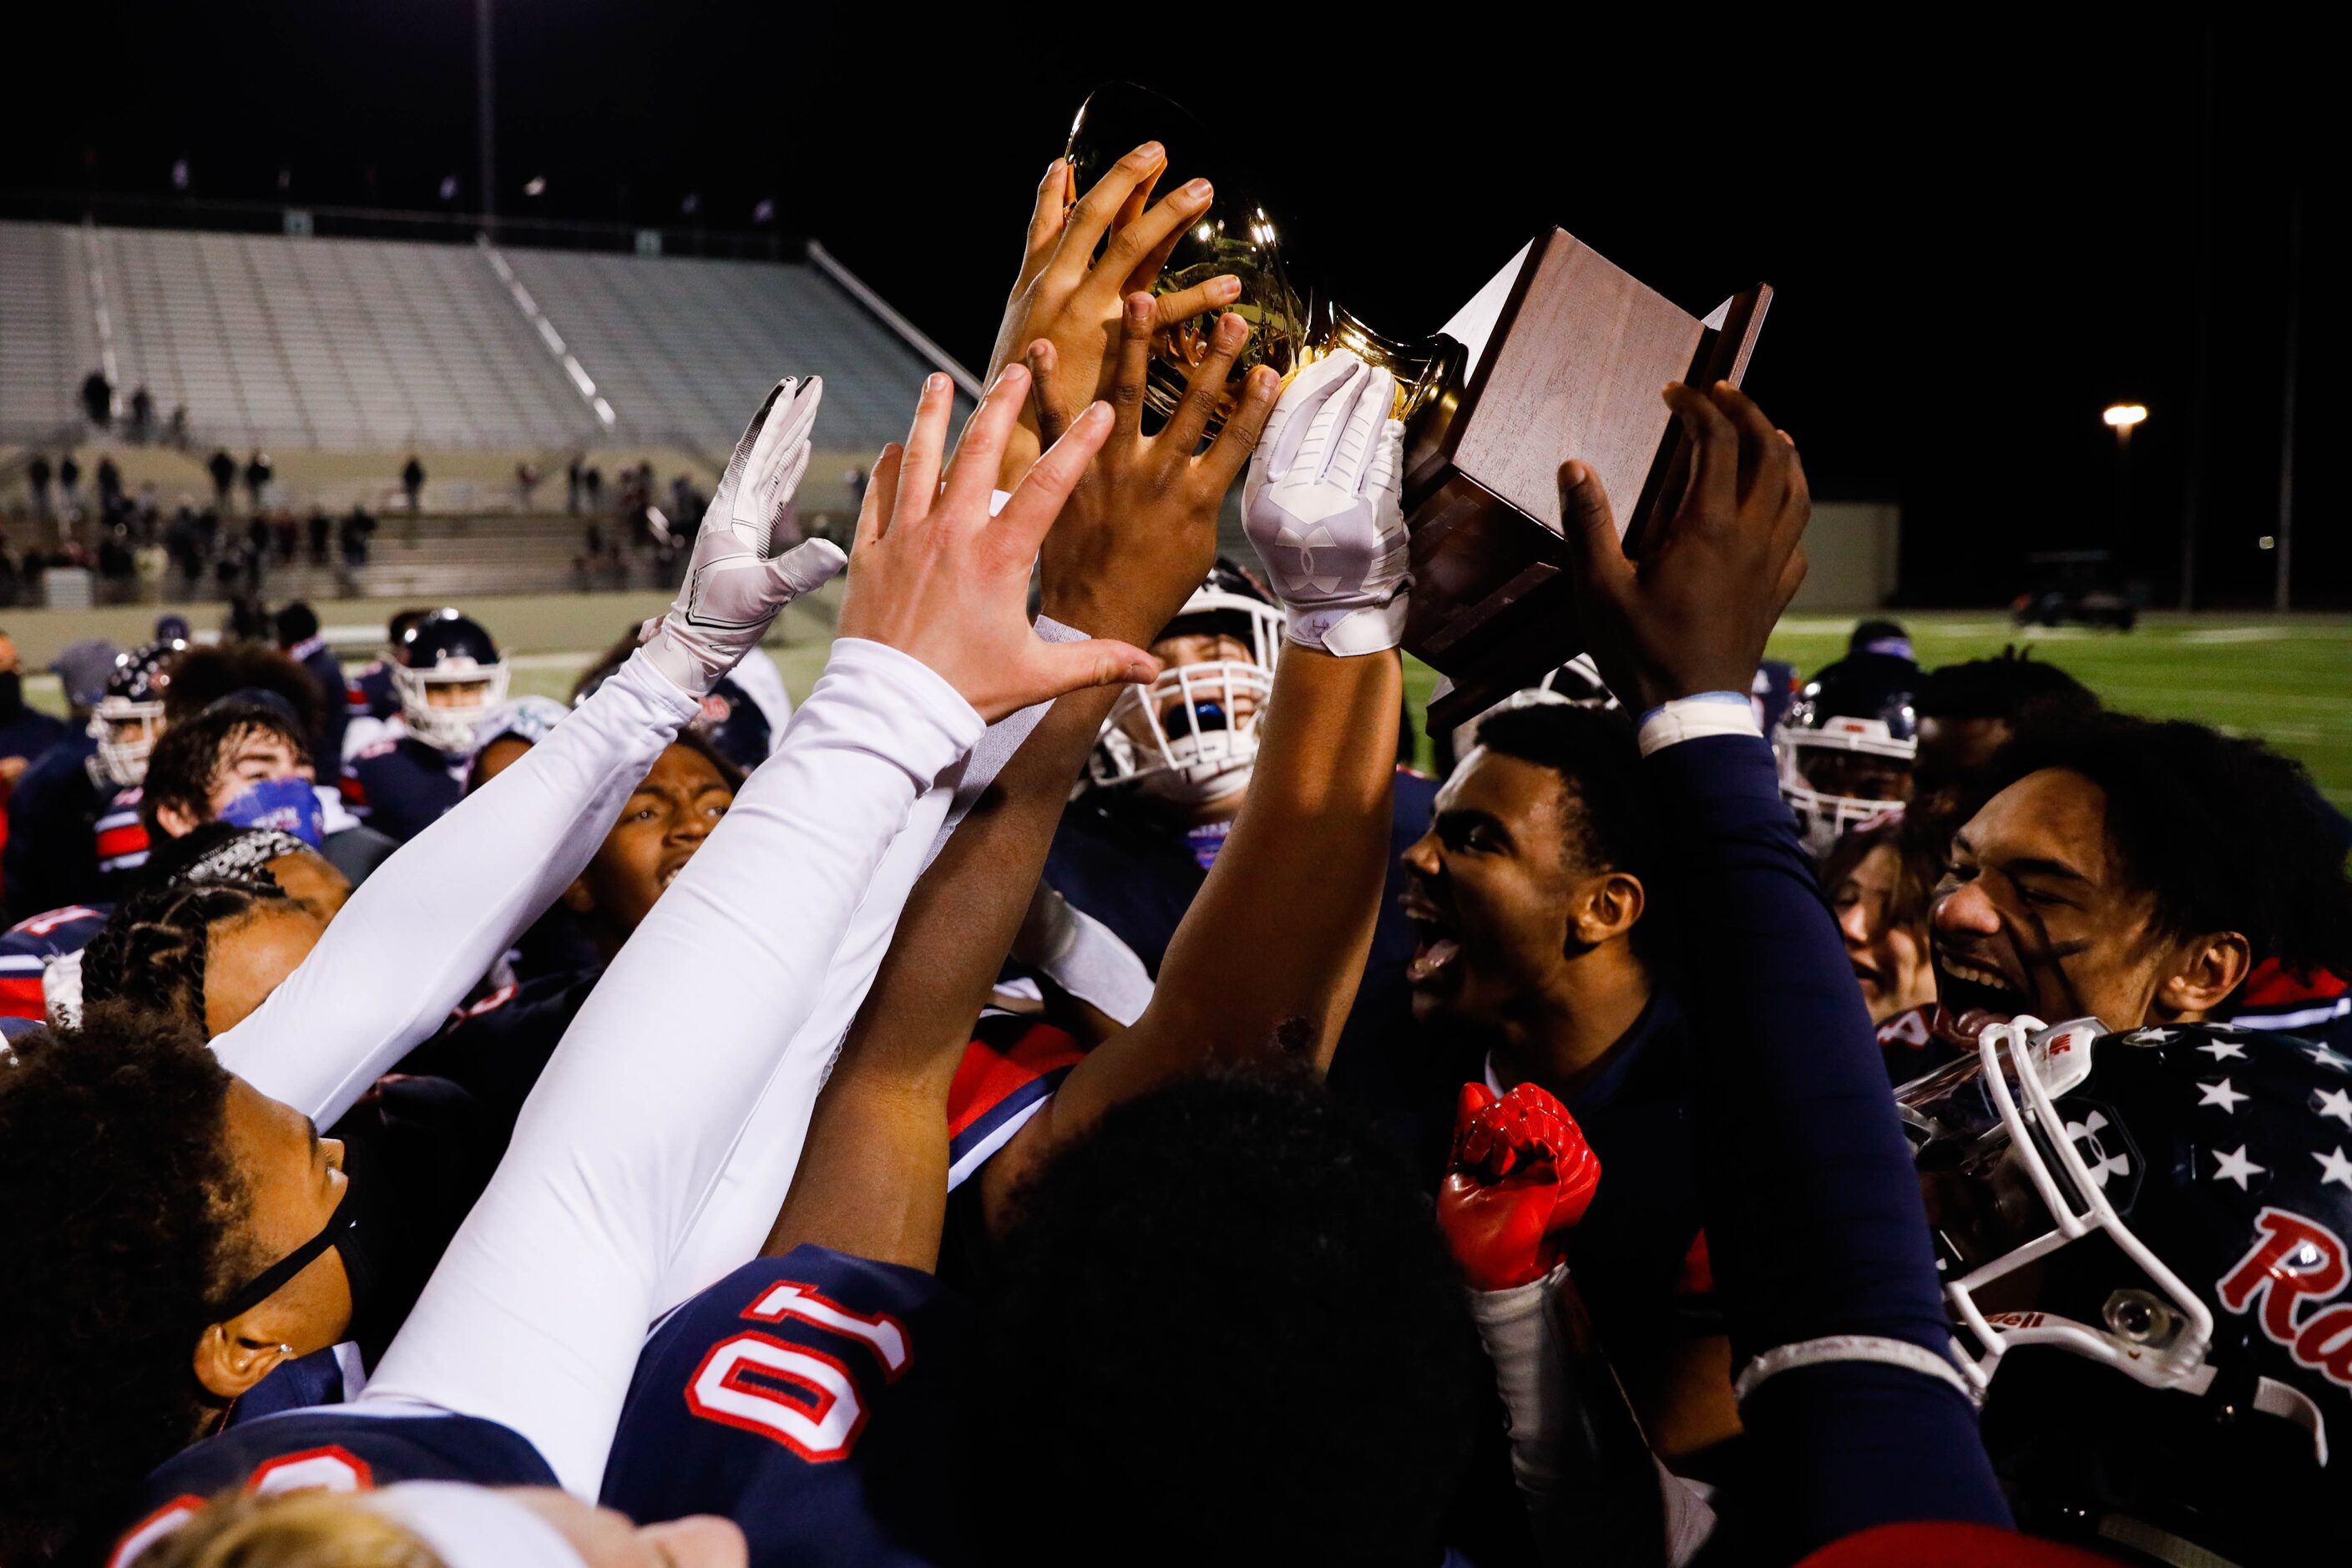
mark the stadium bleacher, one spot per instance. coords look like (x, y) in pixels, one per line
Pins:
(366, 345)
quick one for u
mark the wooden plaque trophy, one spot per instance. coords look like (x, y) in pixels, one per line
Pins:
(1562, 355)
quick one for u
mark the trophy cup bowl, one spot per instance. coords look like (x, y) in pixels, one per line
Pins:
(1561, 354)
(1290, 325)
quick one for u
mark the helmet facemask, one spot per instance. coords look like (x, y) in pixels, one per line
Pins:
(449, 727)
(1190, 737)
(1824, 816)
(2014, 1181)
(126, 733)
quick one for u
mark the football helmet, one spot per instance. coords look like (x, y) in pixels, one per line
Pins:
(129, 715)
(1191, 736)
(1576, 684)
(1850, 734)
(2176, 1203)
(444, 650)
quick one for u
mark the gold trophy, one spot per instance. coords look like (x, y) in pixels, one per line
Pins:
(1560, 355)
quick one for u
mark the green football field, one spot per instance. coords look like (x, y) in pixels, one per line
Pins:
(2288, 679)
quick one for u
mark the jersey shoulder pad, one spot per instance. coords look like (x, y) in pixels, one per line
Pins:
(330, 1450)
(1011, 1067)
(784, 1396)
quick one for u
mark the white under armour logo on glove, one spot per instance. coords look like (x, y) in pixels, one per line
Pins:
(732, 591)
(1324, 504)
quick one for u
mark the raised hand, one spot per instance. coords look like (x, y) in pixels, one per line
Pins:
(1141, 530)
(732, 590)
(933, 575)
(1520, 1179)
(1693, 612)
(1069, 296)
(1324, 507)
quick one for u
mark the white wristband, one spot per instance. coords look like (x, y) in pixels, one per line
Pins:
(1695, 718)
(1848, 1347)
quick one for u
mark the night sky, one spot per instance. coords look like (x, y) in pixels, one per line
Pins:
(1978, 237)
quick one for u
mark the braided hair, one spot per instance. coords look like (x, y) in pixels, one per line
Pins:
(153, 949)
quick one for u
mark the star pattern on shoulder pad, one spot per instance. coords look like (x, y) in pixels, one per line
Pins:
(2335, 1103)
(2234, 1166)
(2220, 1094)
(2334, 1167)
(2328, 1058)
(2224, 1050)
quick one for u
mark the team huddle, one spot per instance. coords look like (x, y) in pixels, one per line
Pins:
(1065, 1092)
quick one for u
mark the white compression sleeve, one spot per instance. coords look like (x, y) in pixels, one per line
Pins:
(436, 914)
(1526, 1340)
(536, 1315)
(742, 1209)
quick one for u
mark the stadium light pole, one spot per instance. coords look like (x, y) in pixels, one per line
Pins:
(2282, 590)
(486, 126)
(2123, 418)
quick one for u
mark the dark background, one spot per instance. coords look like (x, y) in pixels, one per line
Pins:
(1979, 236)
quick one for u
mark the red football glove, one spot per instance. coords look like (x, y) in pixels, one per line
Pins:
(1522, 1175)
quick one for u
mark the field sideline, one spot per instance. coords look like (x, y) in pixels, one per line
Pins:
(2286, 678)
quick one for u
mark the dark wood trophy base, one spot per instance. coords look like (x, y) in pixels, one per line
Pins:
(1571, 368)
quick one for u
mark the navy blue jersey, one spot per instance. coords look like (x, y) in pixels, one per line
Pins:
(1118, 861)
(402, 786)
(338, 1451)
(121, 836)
(334, 694)
(496, 1047)
(30, 946)
(2315, 1007)
(27, 733)
(813, 1399)
(368, 694)
(51, 859)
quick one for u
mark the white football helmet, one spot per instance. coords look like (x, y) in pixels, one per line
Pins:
(130, 717)
(448, 649)
(1191, 736)
(1576, 684)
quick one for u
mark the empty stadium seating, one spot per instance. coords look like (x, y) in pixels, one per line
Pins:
(365, 345)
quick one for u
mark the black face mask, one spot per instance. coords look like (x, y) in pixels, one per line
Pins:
(12, 693)
(416, 1154)
(364, 1237)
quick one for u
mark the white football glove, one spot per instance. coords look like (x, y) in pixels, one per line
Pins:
(1324, 504)
(732, 590)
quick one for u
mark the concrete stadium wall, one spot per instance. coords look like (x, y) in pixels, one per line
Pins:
(1850, 551)
(524, 625)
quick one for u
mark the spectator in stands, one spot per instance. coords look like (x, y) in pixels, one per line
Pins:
(143, 414)
(594, 480)
(9, 581)
(412, 479)
(257, 470)
(299, 639)
(352, 537)
(526, 481)
(149, 563)
(110, 483)
(321, 527)
(571, 478)
(286, 537)
(69, 483)
(223, 469)
(98, 398)
(179, 432)
(37, 474)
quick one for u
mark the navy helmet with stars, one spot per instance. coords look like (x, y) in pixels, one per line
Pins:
(2149, 1236)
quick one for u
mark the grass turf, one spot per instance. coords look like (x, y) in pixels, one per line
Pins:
(2286, 678)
